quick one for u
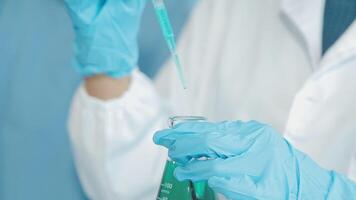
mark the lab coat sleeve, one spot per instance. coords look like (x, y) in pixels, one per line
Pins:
(112, 142)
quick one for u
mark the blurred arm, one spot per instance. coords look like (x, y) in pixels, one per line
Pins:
(104, 87)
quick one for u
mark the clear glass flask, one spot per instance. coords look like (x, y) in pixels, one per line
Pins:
(171, 188)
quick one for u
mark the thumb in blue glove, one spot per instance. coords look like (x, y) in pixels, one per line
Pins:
(106, 32)
(249, 161)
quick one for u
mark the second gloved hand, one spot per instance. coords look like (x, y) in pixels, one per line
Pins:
(106, 32)
(249, 161)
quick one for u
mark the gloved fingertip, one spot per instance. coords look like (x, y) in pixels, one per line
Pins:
(166, 143)
(157, 137)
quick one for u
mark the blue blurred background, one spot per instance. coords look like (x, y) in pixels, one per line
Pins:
(36, 86)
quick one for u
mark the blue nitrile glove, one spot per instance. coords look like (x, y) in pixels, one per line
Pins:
(249, 161)
(106, 32)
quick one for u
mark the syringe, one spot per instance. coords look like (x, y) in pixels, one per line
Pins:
(168, 34)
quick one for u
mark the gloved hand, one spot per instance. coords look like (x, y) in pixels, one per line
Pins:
(249, 161)
(106, 32)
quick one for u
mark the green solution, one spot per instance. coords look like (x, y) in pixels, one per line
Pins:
(171, 188)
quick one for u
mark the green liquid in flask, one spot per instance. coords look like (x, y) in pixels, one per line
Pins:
(172, 189)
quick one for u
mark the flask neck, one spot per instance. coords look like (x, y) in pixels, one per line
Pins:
(173, 121)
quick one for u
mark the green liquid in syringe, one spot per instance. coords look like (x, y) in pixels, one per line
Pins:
(164, 22)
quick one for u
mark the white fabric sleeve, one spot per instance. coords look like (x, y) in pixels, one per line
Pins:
(112, 142)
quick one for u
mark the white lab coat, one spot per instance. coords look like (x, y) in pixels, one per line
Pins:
(246, 59)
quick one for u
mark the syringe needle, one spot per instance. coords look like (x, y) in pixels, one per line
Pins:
(180, 70)
(168, 34)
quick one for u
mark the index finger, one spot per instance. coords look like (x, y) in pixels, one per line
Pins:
(167, 136)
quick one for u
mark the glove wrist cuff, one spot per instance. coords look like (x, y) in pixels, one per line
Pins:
(111, 63)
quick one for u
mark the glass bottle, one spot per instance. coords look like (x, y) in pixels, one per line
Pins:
(171, 188)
